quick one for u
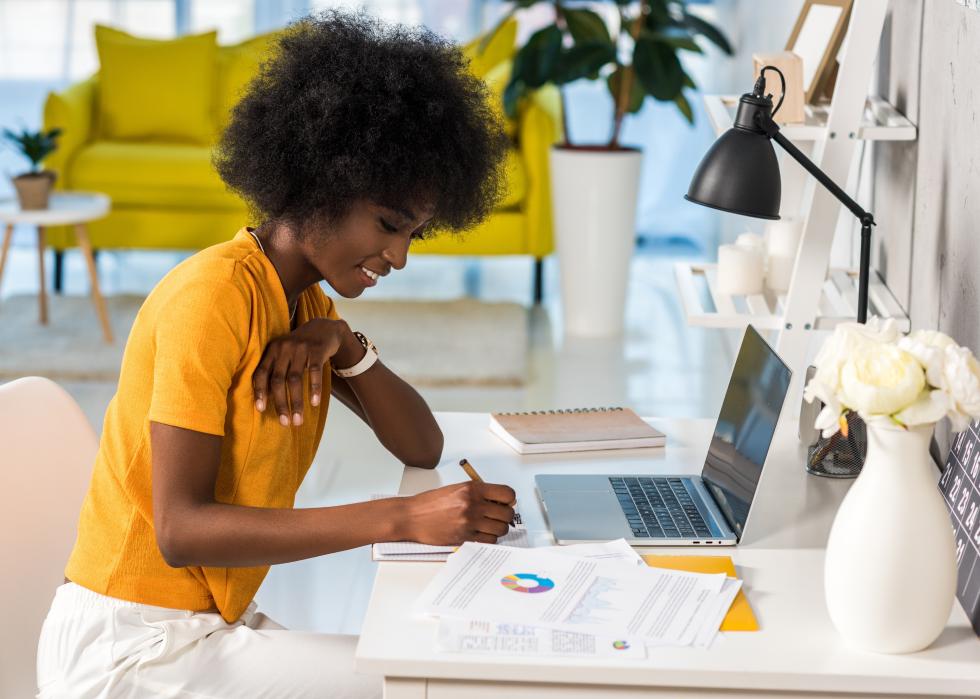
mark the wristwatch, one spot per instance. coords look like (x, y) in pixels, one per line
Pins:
(367, 361)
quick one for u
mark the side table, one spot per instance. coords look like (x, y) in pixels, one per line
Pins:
(65, 209)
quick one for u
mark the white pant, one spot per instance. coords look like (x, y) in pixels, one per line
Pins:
(97, 646)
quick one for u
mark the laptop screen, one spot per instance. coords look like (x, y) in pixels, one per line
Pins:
(745, 428)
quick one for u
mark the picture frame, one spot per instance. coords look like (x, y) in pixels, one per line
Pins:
(817, 37)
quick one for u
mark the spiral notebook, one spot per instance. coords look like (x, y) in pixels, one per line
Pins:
(575, 429)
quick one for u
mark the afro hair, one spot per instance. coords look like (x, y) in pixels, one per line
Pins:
(349, 108)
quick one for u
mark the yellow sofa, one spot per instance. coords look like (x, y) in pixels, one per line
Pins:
(166, 194)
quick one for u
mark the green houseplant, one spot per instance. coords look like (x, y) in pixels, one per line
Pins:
(641, 60)
(34, 186)
(594, 187)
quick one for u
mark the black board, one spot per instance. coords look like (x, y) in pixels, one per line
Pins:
(960, 485)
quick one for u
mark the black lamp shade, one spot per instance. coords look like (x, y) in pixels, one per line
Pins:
(739, 174)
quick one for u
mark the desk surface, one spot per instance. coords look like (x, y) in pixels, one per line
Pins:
(780, 560)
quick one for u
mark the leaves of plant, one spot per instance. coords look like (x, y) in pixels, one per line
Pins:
(583, 60)
(586, 26)
(637, 93)
(674, 39)
(658, 69)
(685, 107)
(659, 15)
(512, 97)
(535, 62)
(707, 30)
(34, 145)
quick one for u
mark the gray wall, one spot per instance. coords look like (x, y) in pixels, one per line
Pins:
(929, 222)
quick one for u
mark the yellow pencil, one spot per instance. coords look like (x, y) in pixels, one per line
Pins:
(470, 471)
(474, 476)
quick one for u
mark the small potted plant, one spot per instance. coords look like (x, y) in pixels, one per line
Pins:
(594, 187)
(34, 187)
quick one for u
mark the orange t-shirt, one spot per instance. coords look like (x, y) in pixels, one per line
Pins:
(188, 363)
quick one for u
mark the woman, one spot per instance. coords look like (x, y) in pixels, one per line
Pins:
(355, 139)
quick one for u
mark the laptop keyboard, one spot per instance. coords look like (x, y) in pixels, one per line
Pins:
(659, 508)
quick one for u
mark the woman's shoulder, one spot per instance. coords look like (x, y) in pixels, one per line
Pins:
(228, 265)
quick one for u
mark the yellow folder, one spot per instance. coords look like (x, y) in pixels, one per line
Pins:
(740, 616)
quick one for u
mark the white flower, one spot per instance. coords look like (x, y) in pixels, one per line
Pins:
(961, 374)
(929, 347)
(880, 379)
(847, 338)
(931, 407)
(828, 421)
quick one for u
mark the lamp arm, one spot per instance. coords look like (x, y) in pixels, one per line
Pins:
(822, 178)
(867, 220)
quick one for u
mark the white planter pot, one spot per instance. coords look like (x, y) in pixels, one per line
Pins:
(890, 572)
(594, 201)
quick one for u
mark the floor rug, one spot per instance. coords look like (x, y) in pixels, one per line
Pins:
(428, 343)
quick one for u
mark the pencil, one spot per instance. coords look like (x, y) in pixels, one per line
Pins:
(470, 471)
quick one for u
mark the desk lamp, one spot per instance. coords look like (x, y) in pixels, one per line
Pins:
(740, 174)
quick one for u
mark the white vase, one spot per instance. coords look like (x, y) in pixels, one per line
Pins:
(890, 572)
(594, 201)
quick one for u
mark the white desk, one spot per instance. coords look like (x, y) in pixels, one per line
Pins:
(796, 654)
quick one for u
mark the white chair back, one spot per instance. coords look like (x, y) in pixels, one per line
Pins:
(47, 449)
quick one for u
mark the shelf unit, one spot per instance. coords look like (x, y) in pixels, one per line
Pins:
(880, 121)
(818, 297)
(838, 301)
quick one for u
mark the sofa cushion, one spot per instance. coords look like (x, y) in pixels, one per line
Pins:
(499, 47)
(494, 64)
(173, 175)
(237, 65)
(516, 180)
(153, 89)
(496, 80)
(151, 175)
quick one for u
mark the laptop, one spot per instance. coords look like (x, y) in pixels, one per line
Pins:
(681, 510)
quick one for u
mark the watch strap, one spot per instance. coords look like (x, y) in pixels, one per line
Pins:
(366, 362)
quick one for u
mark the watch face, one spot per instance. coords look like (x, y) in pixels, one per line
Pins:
(366, 343)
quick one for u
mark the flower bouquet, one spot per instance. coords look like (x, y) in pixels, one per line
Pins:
(890, 573)
(908, 381)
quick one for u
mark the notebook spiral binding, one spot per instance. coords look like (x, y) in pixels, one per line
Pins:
(563, 411)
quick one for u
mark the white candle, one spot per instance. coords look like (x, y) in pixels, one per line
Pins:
(751, 240)
(783, 237)
(779, 271)
(740, 269)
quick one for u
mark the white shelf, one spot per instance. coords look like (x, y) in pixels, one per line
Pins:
(881, 121)
(696, 282)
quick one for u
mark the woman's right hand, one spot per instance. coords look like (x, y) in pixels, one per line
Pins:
(450, 515)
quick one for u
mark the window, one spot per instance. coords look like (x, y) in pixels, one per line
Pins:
(53, 39)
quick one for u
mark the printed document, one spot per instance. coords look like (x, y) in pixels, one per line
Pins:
(601, 597)
(504, 638)
(617, 550)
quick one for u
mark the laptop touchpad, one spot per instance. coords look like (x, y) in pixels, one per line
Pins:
(588, 516)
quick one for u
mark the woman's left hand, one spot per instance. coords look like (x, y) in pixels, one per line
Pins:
(286, 359)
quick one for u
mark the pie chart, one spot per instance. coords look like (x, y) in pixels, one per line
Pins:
(527, 582)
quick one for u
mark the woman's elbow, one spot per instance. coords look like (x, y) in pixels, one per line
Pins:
(171, 545)
(431, 453)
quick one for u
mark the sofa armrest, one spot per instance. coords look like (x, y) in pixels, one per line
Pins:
(539, 129)
(73, 111)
